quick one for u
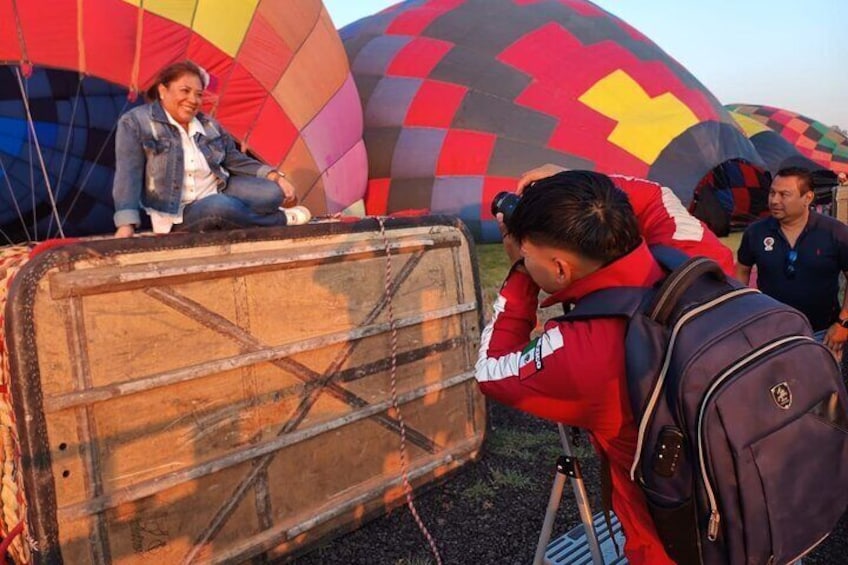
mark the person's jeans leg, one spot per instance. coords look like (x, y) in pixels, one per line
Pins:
(247, 202)
(261, 196)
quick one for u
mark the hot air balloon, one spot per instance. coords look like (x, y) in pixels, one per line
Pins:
(281, 85)
(462, 97)
(736, 192)
(821, 144)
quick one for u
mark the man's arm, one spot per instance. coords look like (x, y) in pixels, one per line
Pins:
(745, 259)
(743, 273)
(836, 335)
(129, 175)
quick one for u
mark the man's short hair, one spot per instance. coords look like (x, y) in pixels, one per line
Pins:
(581, 211)
(804, 176)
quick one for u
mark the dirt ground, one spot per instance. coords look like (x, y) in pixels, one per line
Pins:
(491, 511)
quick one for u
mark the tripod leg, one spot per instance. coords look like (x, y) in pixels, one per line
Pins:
(550, 514)
(581, 498)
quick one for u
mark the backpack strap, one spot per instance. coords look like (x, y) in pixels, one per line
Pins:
(678, 282)
(622, 302)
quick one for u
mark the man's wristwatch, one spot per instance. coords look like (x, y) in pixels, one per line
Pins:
(274, 175)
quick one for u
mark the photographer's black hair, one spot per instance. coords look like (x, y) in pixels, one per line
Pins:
(804, 176)
(581, 211)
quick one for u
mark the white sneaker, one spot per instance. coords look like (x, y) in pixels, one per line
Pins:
(297, 215)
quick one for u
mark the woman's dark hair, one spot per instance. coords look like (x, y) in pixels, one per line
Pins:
(581, 211)
(173, 72)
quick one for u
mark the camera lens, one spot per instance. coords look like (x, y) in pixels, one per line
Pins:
(505, 203)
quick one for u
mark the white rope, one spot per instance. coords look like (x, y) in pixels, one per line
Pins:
(31, 125)
(14, 200)
(67, 146)
(395, 406)
(105, 144)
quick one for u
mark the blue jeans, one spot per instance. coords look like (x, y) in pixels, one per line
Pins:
(246, 202)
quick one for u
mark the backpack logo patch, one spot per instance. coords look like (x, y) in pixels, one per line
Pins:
(782, 395)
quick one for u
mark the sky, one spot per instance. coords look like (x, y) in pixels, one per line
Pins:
(792, 54)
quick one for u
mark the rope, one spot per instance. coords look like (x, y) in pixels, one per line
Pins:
(67, 149)
(12, 496)
(31, 125)
(395, 406)
(14, 200)
(4, 545)
(94, 162)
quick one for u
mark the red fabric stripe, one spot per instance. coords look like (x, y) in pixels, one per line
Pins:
(264, 53)
(163, 42)
(9, 46)
(418, 57)
(274, 133)
(50, 41)
(415, 20)
(465, 153)
(435, 104)
(109, 34)
(377, 197)
(241, 102)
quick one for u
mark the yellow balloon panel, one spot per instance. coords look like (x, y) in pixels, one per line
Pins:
(750, 126)
(645, 125)
(224, 22)
(180, 11)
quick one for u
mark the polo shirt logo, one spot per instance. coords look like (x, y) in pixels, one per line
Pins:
(768, 243)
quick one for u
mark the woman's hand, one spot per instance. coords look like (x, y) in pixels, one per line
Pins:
(125, 231)
(289, 194)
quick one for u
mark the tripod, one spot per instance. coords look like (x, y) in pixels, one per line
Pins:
(569, 465)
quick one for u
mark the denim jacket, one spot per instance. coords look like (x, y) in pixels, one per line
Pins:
(149, 163)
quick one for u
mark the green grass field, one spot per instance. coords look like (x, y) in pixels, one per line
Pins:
(494, 265)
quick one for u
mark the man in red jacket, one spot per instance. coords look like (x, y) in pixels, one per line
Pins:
(663, 220)
(570, 235)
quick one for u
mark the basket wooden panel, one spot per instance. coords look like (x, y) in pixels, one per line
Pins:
(209, 398)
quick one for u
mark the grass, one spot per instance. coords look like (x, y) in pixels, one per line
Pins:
(481, 491)
(414, 561)
(520, 445)
(493, 265)
(511, 479)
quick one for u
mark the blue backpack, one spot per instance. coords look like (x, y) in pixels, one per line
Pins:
(743, 432)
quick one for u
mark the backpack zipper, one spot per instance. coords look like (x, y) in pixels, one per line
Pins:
(715, 516)
(658, 387)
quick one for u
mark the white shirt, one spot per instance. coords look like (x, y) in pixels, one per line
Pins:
(198, 180)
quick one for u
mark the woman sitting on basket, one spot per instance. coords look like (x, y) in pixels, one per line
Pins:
(184, 170)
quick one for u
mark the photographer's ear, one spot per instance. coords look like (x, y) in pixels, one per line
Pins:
(564, 272)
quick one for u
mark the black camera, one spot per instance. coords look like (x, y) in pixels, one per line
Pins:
(505, 203)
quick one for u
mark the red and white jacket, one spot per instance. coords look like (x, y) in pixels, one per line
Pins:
(664, 220)
(574, 373)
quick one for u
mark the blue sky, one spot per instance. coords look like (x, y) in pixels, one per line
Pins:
(792, 54)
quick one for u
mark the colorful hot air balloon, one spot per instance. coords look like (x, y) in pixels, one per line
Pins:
(820, 143)
(461, 97)
(281, 85)
(771, 146)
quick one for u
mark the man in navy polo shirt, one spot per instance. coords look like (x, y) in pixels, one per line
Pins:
(799, 255)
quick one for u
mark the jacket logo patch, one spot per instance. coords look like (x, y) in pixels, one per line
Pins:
(782, 395)
(531, 359)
